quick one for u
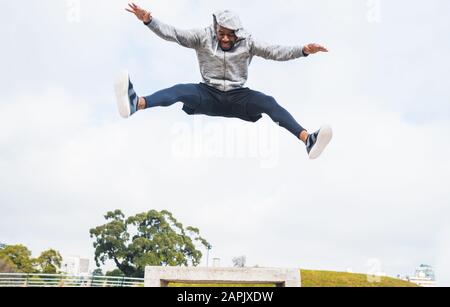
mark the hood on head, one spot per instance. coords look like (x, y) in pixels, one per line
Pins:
(229, 20)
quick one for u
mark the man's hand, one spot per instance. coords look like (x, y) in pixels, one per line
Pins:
(140, 13)
(313, 48)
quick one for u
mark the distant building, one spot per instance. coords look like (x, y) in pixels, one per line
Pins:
(424, 276)
(75, 266)
(426, 271)
(2, 246)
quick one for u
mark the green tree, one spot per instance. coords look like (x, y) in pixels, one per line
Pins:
(19, 256)
(7, 266)
(151, 238)
(115, 273)
(49, 262)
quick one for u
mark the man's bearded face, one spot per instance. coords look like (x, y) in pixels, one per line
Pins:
(227, 38)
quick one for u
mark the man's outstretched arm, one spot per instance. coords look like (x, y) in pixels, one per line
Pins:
(185, 38)
(283, 53)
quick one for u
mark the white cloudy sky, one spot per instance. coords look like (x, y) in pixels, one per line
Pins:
(379, 192)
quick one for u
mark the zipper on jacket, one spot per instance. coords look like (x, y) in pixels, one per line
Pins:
(224, 71)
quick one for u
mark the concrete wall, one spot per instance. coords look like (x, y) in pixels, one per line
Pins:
(161, 276)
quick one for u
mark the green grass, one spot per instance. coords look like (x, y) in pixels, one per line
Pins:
(338, 279)
(321, 279)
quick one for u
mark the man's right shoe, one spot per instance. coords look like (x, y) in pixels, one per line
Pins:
(127, 99)
(318, 141)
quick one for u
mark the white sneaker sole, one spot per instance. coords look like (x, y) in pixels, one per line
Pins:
(323, 139)
(121, 89)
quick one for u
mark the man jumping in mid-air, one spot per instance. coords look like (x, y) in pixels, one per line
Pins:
(224, 52)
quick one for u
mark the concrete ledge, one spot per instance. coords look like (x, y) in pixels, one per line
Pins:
(162, 276)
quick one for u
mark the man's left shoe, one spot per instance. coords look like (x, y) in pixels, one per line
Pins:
(127, 99)
(318, 141)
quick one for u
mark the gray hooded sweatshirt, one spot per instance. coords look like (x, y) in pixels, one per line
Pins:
(224, 70)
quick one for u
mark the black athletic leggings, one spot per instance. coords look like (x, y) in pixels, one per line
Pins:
(241, 103)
